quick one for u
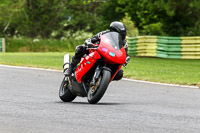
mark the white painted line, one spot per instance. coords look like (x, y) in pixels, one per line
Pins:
(140, 81)
(21, 67)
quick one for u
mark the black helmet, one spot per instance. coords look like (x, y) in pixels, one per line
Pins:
(118, 27)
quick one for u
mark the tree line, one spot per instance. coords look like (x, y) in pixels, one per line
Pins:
(70, 18)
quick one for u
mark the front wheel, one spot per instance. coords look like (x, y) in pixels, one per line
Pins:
(96, 92)
(64, 92)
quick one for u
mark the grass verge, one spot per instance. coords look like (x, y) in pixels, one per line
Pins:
(40, 45)
(174, 71)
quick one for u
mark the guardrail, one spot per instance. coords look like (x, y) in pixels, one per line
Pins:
(165, 47)
(2, 45)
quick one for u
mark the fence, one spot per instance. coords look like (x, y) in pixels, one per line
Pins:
(2, 45)
(165, 47)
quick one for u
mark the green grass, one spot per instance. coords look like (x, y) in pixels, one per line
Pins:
(41, 60)
(176, 71)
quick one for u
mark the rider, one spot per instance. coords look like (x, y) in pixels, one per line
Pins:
(81, 49)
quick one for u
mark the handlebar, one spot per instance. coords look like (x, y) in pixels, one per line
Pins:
(92, 46)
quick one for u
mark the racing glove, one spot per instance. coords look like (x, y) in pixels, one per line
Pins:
(88, 42)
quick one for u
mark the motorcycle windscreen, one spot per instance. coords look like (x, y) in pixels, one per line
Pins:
(111, 48)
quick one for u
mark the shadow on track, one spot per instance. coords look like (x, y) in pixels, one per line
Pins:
(86, 103)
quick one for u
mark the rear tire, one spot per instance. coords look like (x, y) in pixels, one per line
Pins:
(64, 92)
(94, 97)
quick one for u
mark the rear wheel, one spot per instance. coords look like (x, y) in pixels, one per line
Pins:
(97, 91)
(64, 92)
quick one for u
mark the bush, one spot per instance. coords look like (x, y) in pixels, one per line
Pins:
(153, 29)
(41, 45)
(131, 29)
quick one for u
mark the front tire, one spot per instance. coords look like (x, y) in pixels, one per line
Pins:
(102, 85)
(64, 92)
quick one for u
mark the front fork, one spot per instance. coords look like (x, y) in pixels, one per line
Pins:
(96, 76)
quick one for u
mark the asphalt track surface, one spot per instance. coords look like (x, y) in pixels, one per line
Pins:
(29, 103)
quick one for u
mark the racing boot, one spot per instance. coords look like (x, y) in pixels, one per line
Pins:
(69, 71)
(79, 52)
(72, 65)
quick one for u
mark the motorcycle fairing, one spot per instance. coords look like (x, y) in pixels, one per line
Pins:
(77, 87)
(113, 53)
(85, 65)
(115, 72)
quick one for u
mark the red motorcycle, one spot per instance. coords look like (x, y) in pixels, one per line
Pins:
(96, 70)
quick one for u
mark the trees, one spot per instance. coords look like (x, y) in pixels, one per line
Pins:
(58, 18)
(9, 12)
(169, 17)
(29, 17)
(178, 18)
(131, 29)
(181, 17)
(35, 18)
